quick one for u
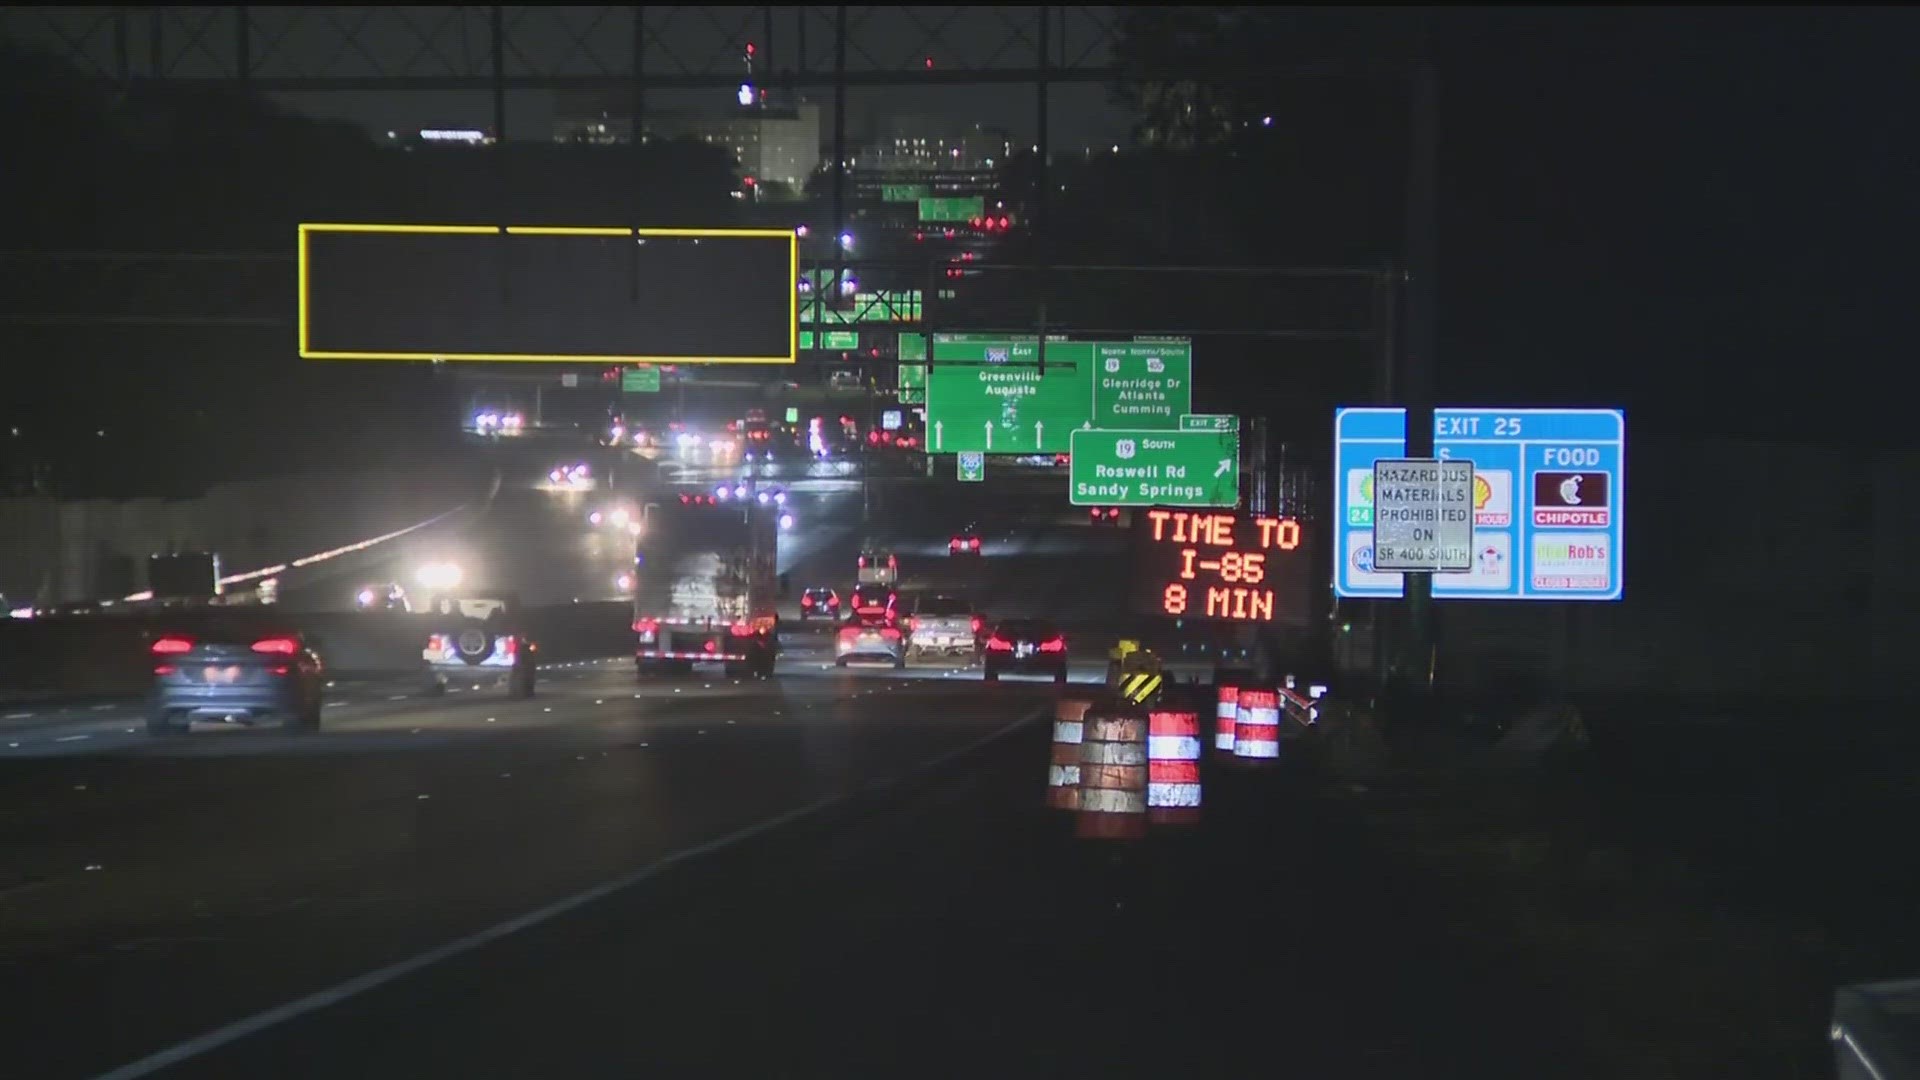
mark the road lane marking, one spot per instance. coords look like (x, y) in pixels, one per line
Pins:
(398, 697)
(373, 980)
(72, 738)
(101, 708)
(17, 716)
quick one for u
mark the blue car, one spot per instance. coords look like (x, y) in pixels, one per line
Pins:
(234, 674)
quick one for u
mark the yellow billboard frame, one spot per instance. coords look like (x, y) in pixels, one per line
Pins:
(793, 292)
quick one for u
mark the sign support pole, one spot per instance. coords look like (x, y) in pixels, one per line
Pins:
(1421, 645)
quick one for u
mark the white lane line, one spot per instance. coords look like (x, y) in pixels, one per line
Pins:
(335, 704)
(102, 708)
(373, 980)
(398, 697)
(17, 716)
(72, 738)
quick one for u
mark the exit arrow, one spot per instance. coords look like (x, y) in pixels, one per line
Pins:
(1221, 470)
(989, 434)
(1037, 428)
(939, 434)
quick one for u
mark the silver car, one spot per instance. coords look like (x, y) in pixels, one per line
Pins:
(872, 635)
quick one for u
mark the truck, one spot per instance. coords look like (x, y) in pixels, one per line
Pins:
(705, 586)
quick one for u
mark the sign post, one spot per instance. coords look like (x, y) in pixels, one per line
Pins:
(1423, 515)
(1155, 468)
(972, 466)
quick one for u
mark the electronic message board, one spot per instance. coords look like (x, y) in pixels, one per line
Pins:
(546, 293)
(1220, 566)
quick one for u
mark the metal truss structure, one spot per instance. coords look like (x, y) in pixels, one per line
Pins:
(393, 48)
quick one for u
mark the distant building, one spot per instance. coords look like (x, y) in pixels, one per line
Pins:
(770, 142)
(932, 144)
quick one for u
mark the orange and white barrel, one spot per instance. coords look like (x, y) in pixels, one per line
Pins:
(1173, 767)
(1063, 768)
(1226, 716)
(1113, 775)
(1256, 733)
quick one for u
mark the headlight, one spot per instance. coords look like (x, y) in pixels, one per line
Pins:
(620, 518)
(365, 599)
(786, 521)
(441, 575)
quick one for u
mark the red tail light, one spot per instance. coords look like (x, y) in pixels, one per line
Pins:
(741, 629)
(1094, 514)
(913, 622)
(710, 646)
(974, 543)
(172, 645)
(284, 646)
(645, 626)
(892, 563)
(863, 562)
(999, 644)
(510, 646)
(833, 601)
(164, 669)
(806, 601)
(281, 669)
(976, 624)
(1058, 644)
(437, 643)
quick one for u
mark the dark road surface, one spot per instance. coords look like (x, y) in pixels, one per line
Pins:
(160, 892)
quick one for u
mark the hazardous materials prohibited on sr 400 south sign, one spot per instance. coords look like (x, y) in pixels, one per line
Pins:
(1423, 515)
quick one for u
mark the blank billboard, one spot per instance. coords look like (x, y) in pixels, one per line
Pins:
(544, 293)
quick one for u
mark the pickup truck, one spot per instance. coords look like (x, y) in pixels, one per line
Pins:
(943, 624)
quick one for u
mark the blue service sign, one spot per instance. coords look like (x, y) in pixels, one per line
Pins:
(1548, 494)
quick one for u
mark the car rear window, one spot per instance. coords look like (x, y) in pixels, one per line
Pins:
(1026, 628)
(873, 619)
(942, 605)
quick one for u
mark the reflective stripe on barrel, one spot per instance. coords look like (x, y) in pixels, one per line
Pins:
(1173, 767)
(1257, 732)
(1063, 767)
(1226, 714)
(1113, 776)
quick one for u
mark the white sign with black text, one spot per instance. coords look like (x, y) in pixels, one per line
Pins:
(1422, 516)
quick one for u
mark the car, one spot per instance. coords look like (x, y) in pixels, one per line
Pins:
(819, 602)
(865, 596)
(878, 567)
(1104, 515)
(234, 672)
(382, 596)
(476, 638)
(965, 542)
(943, 624)
(871, 634)
(1025, 645)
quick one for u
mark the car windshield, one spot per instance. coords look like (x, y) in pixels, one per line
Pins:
(943, 605)
(1027, 630)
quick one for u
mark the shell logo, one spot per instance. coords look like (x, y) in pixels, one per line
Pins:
(1482, 492)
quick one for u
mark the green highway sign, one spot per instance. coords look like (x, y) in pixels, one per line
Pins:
(1155, 468)
(903, 192)
(956, 209)
(793, 415)
(987, 394)
(840, 339)
(913, 384)
(912, 347)
(1209, 422)
(973, 467)
(1142, 384)
(640, 380)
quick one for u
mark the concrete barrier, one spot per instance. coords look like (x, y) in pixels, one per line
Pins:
(110, 653)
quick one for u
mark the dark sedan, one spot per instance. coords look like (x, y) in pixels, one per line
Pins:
(1034, 646)
(234, 674)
